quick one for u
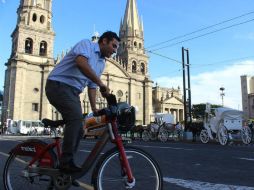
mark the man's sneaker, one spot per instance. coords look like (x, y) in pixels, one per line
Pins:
(69, 167)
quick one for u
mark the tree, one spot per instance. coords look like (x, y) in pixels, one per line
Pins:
(1, 96)
(198, 110)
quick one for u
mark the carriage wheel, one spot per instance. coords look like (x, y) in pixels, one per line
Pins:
(204, 137)
(163, 135)
(223, 135)
(246, 134)
(146, 135)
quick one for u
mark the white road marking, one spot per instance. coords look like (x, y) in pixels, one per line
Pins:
(85, 151)
(249, 159)
(10, 139)
(4, 154)
(162, 147)
(88, 151)
(18, 159)
(199, 185)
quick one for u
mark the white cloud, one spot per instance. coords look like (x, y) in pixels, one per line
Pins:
(205, 86)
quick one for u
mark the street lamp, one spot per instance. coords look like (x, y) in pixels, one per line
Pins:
(222, 94)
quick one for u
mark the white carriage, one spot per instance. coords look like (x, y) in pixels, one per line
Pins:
(162, 128)
(168, 129)
(225, 124)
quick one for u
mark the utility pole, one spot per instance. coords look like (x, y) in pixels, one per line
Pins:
(189, 86)
(186, 66)
(184, 91)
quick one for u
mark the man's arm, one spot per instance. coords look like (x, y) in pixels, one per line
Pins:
(85, 68)
(92, 96)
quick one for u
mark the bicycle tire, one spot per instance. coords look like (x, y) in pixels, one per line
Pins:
(15, 174)
(107, 174)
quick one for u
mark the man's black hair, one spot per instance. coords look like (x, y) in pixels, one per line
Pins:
(109, 35)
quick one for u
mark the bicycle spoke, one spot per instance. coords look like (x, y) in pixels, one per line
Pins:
(145, 171)
(17, 177)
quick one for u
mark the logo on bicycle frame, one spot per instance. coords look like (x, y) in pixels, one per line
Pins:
(28, 149)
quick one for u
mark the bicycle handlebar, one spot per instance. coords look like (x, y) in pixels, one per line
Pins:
(111, 110)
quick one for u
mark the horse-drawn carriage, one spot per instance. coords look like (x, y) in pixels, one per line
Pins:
(223, 124)
(163, 128)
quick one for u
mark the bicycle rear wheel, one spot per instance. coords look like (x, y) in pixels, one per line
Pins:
(16, 175)
(108, 174)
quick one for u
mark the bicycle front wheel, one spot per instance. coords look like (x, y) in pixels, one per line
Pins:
(109, 175)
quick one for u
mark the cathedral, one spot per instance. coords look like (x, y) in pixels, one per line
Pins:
(126, 74)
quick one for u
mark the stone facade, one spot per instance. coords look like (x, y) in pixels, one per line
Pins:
(168, 100)
(126, 74)
(247, 85)
(30, 62)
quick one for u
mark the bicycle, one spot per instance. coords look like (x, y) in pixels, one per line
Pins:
(33, 164)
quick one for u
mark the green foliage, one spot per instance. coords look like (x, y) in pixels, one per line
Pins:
(198, 110)
(1, 96)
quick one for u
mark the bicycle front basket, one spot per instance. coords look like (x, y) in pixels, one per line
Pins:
(126, 117)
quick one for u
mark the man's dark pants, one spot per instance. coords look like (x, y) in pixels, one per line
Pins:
(66, 100)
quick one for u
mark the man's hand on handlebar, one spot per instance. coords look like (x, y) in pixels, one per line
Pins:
(104, 90)
(99, 112)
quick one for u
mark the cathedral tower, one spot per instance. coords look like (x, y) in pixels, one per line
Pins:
(131, 50)
(30, 62)
(134, 60)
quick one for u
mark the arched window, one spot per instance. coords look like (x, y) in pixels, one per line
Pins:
(135, 44)
(43, 48)
(140, 45)
(142, 68)
(34, 18)
(42, 19)
(29, 46)
(134, 67)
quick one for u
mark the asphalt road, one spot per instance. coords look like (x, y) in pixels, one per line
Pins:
(185, 165)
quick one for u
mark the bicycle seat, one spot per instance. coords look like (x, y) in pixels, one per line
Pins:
(52, 124)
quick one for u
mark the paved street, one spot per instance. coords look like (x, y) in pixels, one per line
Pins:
(185, 165)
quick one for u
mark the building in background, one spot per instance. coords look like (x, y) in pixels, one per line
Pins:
(168, 100)
(126, 74)
(30, 62)
(1, 106)
(247, 85)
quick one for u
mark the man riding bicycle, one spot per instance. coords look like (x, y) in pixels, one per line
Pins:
(82, 66)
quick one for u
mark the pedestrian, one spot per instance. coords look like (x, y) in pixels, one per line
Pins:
(82, 66)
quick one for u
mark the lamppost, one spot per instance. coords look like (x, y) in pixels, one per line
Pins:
(222, 94)
(126, 95)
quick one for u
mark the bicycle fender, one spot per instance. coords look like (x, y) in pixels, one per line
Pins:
(33, 148)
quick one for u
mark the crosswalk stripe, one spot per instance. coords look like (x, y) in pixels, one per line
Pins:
(249, 159)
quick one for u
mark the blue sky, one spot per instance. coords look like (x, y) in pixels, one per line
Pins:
(214, 58)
